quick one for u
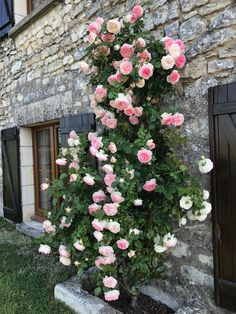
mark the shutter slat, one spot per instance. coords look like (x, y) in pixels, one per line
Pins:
(81, 123)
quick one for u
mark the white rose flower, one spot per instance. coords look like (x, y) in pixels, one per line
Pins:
(138, 202)
(70, 142)
(206, 195)
(167, 62)
(205, 165)
(169, 240)
(65, 260)
(186, 202)
(206, 208)
(45, 249)
(159, 248)
(76, 142)
(182, 222)
(201, 217)
(174, 50)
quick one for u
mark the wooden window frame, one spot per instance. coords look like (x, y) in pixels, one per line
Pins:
(29, 6)
(54, 144)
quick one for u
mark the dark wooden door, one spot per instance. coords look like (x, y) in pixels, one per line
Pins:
(11, 174)
(222, 113)
(6, 16)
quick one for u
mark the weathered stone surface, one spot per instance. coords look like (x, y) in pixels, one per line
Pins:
(172, 29)
(158, 3)
(188, 5)
(218, 65)
(31, 228)
(226, 18)
(228, 51)
(71, 293)
(192, 310)
(166, 13)
(211, 41)
(196, 68)
(197, 276)
(192, 28)
(206, 259)
(213, 7)
(16, 67)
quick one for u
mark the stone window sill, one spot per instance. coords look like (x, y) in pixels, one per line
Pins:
(32, 17)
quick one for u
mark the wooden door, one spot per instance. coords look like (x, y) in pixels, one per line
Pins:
(222, 114)
(11, 174)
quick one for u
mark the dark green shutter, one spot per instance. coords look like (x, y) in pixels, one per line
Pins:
(6, 16)
(81, 123)
(11, 174)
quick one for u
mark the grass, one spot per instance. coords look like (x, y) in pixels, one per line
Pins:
(27, 279)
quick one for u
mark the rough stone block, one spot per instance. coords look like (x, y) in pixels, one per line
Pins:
(71, 293)
(213, 7)
(191, 28)
(228, 51)
(226, 18)
(188, 5)
(196, 68)
(219, 65)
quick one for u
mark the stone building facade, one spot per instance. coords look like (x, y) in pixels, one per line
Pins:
(40, 81)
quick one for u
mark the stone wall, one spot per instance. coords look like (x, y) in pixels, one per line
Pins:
(40, 81)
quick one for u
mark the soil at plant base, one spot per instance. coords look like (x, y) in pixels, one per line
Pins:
(145, 305)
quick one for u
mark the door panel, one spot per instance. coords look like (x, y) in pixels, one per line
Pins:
(222, 118)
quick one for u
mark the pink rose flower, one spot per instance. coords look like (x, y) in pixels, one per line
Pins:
(144, 56)
(126, 67)
(91, 37)
(63, 251)
(98, 235)
(146, 71)
(133, 120)
(129, 111)
(113, 226)
(100, 93)
(108, 38)
(93, 151)
(94, 27)
(99, 196)
(63, 223)
(174, 77)
(141, 42)
(180, 43)
(108, 168)
(106, 250)
(96, 142)
(48, 227)
(113, 160)
(167, 119)
(99, 224)
(110, 189)
(73, 135)
(84, 67)
(112, 295)
(150, 144)
(109, 259)
(144, 155)
(101, 156)
(109, 282)
(111, 123)
(73, 177)
(93, 208)
(113, 26)
(132, 19)
(169, 240)
(78, 245)
(180, 61)
(177, 119)
(61, 161)
(168, 41)
(100, 20)
(138, 111)
(122, 244)
(44, 186)
(115, 65)
(137, 11)
(117, 197)
(88, 179)
(104, 51)
(110, 209)
(92, 135)
(74, 164)
(115, 78)
(122, 102)
(127, 51)
(109, 179)
(112, 147)
(150, 185)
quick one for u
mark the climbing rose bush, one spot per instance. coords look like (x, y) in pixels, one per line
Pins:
(122, 191)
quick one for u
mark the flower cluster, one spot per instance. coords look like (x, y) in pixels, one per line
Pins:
(122, 190)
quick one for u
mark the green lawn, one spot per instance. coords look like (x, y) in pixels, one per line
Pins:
(27, 279)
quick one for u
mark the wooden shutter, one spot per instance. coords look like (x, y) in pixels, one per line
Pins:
(6, 16)
(81, 123)
(222, 118)
(11, 174)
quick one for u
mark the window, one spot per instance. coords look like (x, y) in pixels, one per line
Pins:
(46, 143)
